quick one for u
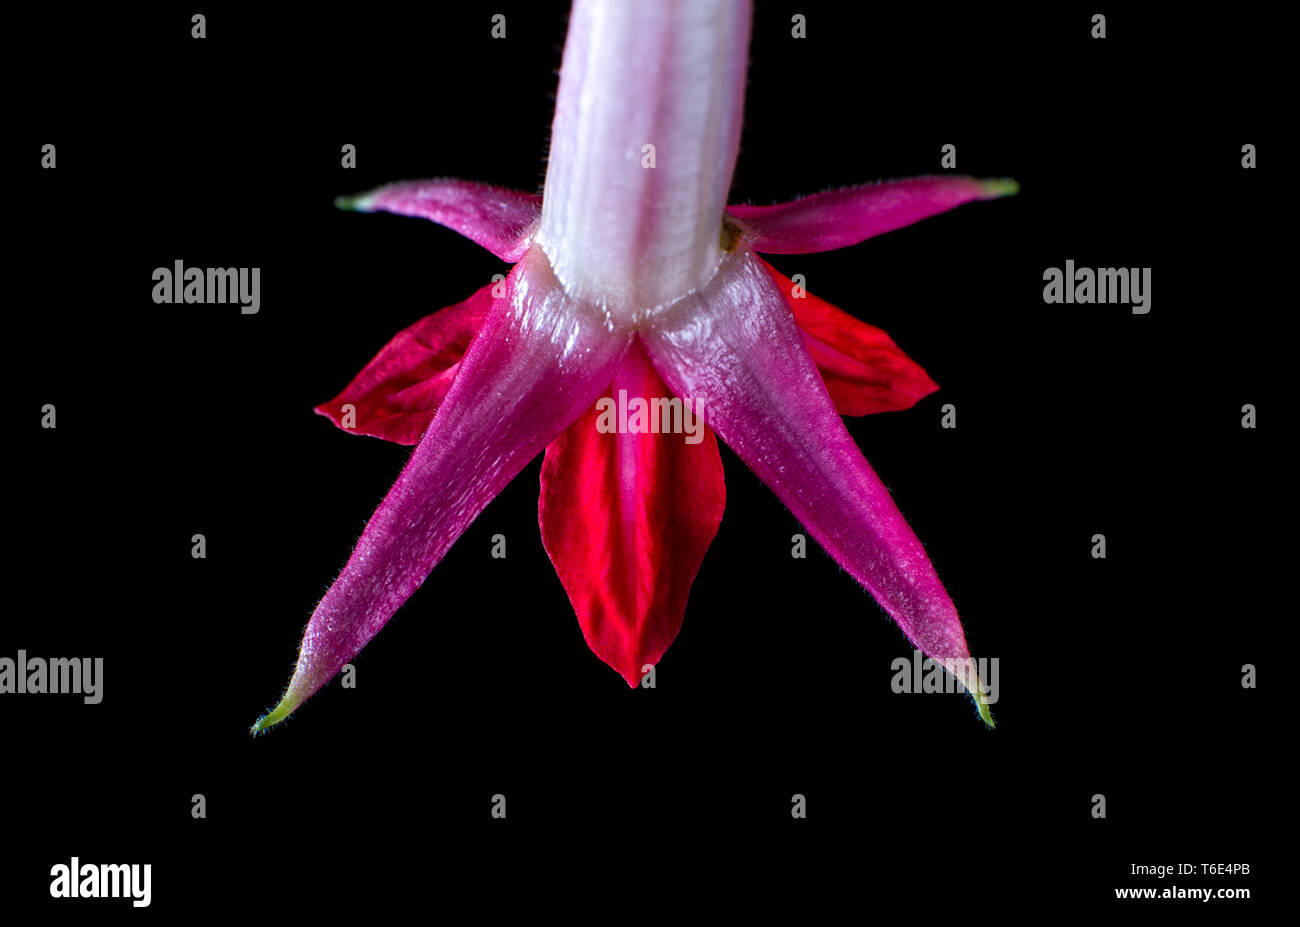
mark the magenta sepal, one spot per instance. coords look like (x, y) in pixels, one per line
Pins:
(839, 218)
(735, 347)
(540, 360)
(499, 219)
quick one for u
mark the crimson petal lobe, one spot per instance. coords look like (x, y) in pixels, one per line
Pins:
(627, 517)
(864, 371)
(397, 393)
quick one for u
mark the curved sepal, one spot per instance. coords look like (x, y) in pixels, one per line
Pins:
(735, 346)
(499, 219)
(839, 218)
(540, 360)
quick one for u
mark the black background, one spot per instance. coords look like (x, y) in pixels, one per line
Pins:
(1119, 676)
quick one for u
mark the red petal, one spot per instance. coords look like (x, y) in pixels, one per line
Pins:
(864, 371)
(626, 519)
(396, 395)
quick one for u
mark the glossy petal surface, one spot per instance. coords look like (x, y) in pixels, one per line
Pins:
(626, 519)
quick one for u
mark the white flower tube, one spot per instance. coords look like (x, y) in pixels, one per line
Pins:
(643, 145)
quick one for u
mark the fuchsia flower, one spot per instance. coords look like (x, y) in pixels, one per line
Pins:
(639, 279)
